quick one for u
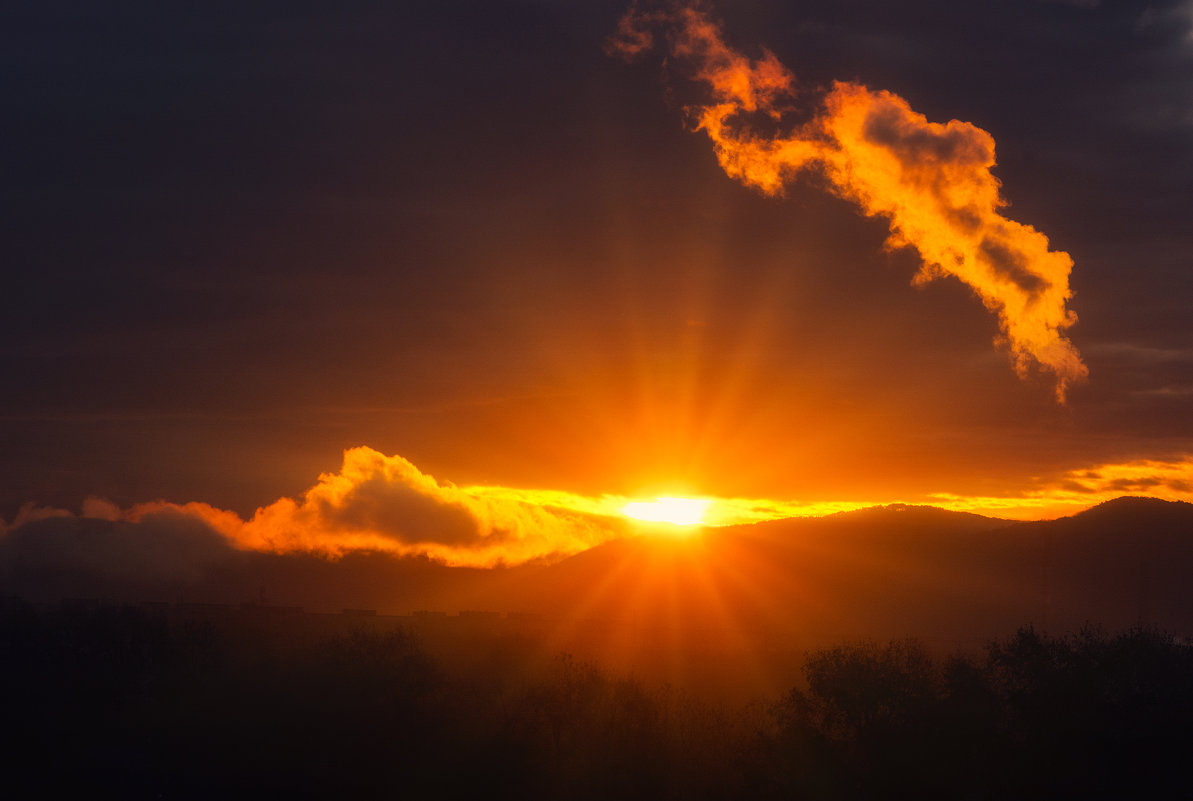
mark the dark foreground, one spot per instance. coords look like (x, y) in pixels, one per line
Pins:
(119, 700)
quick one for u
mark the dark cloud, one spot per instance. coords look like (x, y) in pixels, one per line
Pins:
(174, 557)
(916, 145)
(63, 556)
(1011, 265)
(403, 512)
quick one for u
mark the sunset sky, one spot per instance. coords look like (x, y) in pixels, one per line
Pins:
(492, 250)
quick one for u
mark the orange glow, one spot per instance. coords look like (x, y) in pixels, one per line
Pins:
(1169, 480)
(931, 181)
(676, 511)
(385, 503)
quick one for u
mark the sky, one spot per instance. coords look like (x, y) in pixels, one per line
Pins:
(461, 278)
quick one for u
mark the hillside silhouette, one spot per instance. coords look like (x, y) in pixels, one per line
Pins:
(896, 652)
(746, 601)
(910, 570)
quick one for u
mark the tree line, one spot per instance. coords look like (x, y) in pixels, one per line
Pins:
(122, 701)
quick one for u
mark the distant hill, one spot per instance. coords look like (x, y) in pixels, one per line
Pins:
(887, 571)
(744, 601)
(894, 570)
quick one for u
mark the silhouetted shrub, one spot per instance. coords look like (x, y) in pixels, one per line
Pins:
(118, 701)
(1089, 716)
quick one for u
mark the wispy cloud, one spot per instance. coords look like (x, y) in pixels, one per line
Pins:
(1081, 488)
(931, 181)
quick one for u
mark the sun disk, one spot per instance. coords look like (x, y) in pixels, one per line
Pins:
(676, 511)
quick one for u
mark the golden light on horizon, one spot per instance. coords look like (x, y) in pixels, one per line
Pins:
(385, 503)
(676, 511)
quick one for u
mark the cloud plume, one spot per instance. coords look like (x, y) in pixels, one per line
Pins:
(931, 181)
(375, 503)
(377, 510)
(385, 503)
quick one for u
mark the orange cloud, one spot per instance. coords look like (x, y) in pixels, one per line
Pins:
(1049, 497)
(379, 502)
(1169, 480)
(384, 503)
(931, 181)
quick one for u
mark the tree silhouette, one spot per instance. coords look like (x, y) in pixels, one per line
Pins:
(143, 705)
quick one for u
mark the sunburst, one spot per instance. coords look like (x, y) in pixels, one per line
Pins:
(676, 511)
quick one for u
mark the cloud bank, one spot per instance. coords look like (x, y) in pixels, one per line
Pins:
(374, 503)
(932, 182)
(380, 516)
(385, 503)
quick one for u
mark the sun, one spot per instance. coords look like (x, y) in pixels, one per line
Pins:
(676, 511)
